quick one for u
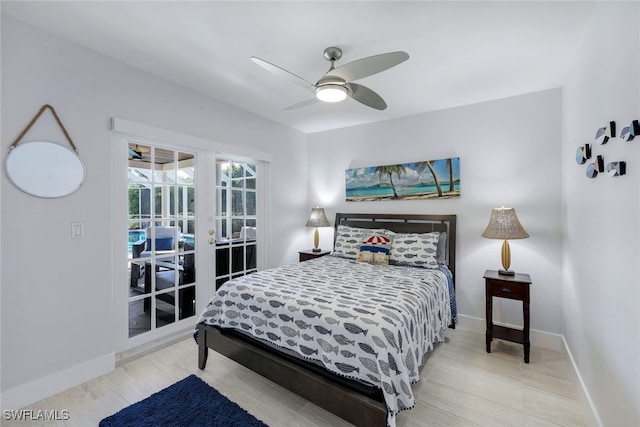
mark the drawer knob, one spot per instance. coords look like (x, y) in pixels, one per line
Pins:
(505, 290)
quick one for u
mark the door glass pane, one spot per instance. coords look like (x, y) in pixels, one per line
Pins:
(251, 257)
(164, 165)
(251, 203)
(222, 169)
(237, 202)
(250, 183)
(237, 259)
(187, 302)
(139, 321)
(166, 273)
(187, 230)
(137, 269)
(188, 266)
(186, 201)
(224, 229)
(165, 308)
(186, 169)
(221, 202)
(222, 260)
(236, 227)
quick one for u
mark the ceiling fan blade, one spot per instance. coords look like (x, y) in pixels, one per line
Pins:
(368, 66)
(135, 154)
(281, 72)
(302, 104)
(366, 96)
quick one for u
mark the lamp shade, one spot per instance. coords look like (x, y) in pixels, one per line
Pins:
(317, 218)
(504, 225)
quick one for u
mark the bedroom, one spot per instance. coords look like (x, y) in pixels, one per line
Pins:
(576, 242)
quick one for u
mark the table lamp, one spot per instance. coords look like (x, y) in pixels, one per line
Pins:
(317, 218)
(504, 225)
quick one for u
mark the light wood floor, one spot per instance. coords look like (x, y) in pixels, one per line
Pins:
(461, 385)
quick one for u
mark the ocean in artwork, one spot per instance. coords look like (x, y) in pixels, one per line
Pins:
(434, 179)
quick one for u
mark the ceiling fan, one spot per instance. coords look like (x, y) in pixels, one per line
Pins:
(337, 83)
(137, 151)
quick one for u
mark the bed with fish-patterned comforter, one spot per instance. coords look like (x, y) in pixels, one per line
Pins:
(361, 321)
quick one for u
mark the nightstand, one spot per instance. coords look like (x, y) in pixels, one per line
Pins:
(514, 287)
(310, 254)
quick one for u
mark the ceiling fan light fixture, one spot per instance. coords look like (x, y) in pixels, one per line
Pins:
(331, 93)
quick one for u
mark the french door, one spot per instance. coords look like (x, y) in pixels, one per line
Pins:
(192, 220)
(236, 219)
(161, 237)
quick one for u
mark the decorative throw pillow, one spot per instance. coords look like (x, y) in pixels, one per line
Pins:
(348, 240)
(416, 250)
(375, 249)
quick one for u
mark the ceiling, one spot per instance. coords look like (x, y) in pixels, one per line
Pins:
(460, 52)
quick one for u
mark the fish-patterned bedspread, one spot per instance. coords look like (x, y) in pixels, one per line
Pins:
(361, 321)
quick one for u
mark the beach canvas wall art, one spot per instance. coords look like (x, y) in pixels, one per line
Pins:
(431, 179)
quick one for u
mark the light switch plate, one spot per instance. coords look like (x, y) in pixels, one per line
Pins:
(77, 230)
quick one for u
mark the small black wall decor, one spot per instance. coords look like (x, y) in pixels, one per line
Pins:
(583, 154)
(593, 169)
(616, 168)
(603, 136)
(630, 132)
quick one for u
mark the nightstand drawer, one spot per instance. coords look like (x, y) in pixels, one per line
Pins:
(507, 290)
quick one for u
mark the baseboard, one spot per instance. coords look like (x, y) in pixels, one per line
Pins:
(34, 391)
(584, 393)
(548, 340)
(150, 347)
(42, 388)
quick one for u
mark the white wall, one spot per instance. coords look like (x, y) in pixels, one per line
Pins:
(509, 155)
(601, 292)
(57, 308)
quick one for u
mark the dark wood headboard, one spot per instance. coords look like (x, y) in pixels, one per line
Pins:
(409, 223)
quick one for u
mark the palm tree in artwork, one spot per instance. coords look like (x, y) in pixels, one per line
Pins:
(389, 171)
(422, 166)
(449, 164)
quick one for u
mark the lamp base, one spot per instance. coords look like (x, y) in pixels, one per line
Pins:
(506, 272)
(316, 250)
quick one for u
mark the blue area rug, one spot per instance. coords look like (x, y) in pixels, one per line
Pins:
(188, 403)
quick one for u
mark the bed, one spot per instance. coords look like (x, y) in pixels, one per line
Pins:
(349, 336)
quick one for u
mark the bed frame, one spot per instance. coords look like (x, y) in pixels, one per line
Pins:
(322, 389)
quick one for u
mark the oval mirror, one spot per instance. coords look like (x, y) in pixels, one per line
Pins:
(44, 169)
